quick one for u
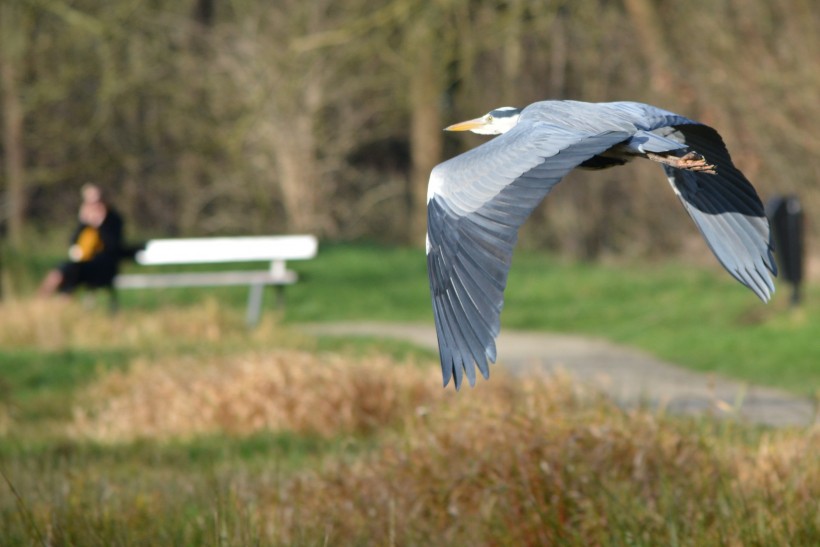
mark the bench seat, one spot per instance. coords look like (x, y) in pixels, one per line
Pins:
(275, 250)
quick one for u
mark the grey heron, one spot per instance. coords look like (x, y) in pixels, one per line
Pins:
(477, 201)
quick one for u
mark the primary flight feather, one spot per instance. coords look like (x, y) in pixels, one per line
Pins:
(477, 201)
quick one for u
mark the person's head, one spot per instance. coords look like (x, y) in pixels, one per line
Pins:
(91, 193)
(93, 213)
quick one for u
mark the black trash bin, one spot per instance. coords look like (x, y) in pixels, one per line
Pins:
(786, 217)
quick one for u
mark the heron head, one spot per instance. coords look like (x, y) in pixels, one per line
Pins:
(494, 122)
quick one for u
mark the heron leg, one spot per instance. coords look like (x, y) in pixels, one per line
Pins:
(691, 161)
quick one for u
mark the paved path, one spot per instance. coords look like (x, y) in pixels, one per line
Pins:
(627, 375)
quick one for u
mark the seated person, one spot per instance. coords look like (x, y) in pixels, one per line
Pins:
(96, 248)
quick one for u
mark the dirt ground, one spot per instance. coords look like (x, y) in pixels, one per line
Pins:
(627, 375)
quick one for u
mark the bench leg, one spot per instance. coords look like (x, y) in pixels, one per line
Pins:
(255, 296)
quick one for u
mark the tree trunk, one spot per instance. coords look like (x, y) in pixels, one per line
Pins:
(559, 57)
(296, 149)
(513, 53)
(189, 181)
(298, 180)
(14, 161)
(649, 31)
(204, 12)
(426, 138)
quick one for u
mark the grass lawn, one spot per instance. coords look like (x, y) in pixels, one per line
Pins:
(178, 426)
(699, 318)
(695, 317)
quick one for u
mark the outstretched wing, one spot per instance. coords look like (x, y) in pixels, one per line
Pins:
(476, 202)
(727, 211)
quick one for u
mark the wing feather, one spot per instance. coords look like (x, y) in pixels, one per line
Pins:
(475, 209)
(727, 211)
(478, 200)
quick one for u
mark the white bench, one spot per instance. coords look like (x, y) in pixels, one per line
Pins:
(213, 250)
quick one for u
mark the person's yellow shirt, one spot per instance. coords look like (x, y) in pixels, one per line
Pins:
(88, 245)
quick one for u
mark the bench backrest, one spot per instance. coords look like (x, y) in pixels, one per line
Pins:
(202, 250)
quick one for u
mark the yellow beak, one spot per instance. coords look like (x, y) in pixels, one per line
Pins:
(466, 126)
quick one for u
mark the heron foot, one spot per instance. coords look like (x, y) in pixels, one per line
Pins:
(691, 161)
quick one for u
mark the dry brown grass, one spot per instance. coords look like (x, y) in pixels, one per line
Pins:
(524, 463)
(60, 323)
(288, 390)
(515, 461)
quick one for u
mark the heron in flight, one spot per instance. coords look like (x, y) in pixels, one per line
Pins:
(477, 201)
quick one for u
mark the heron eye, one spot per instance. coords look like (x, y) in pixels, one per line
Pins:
(489, 118)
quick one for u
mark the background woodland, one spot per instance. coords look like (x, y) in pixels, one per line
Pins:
(244, 117)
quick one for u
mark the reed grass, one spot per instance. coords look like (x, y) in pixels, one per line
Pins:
(187, 429)
(537, 462)
(284, 390)
(52, 324)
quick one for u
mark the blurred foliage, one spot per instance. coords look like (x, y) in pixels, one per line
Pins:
(258, 117)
